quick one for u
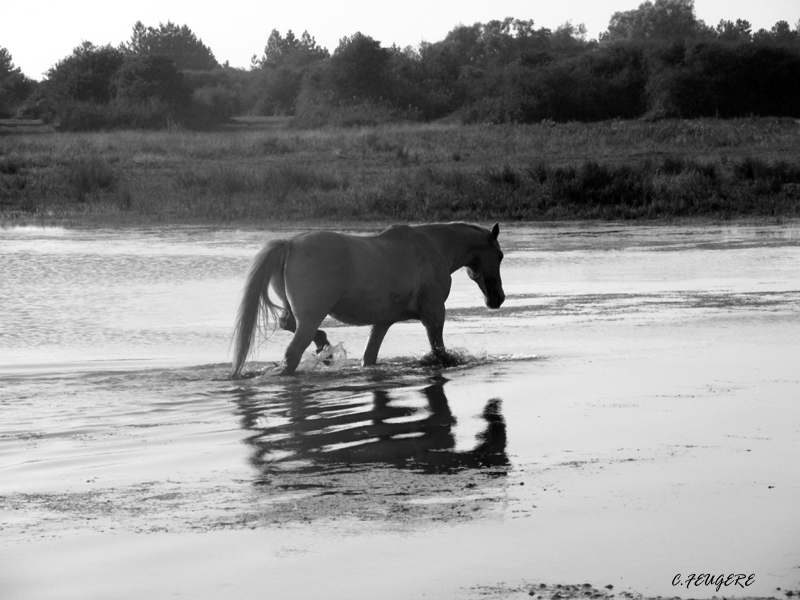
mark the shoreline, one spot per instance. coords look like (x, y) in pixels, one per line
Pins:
(96, 222)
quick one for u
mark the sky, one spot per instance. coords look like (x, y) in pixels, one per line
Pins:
(39, 33)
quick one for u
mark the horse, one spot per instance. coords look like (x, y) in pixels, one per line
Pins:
(400, 274)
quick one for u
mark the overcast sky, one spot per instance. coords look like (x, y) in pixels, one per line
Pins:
(38, 33)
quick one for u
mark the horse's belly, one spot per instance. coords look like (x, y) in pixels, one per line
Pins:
(369, 310)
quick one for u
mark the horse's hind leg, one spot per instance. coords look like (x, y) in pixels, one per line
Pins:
(287, 322)
(307, 331)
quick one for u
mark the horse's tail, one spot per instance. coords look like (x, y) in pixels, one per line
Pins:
(267, 264)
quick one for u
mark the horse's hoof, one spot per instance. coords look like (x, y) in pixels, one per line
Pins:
(245, 375)
(280, 370)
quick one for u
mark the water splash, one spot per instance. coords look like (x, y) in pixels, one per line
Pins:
(329, 357)
(453, 357)
(333, 364)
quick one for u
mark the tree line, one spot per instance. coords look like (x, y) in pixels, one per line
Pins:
(656, 61)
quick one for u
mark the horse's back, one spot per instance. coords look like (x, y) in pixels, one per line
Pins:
(389, 249)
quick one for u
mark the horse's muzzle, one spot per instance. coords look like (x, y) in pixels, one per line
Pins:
(495, 300)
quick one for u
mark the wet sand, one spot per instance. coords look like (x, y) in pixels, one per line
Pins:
(606, 449)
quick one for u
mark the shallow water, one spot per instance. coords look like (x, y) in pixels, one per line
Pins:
(629, 414)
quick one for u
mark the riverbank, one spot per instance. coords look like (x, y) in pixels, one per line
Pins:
(263, 171)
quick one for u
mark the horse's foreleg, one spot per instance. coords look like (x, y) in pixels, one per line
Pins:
(376, 336)
(434, 327)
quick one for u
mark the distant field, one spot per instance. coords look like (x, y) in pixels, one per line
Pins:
(263, 170)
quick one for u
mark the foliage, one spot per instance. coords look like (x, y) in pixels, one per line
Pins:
(84, 76)
(213, 105)
(358, 69)
(102, 88)
(354, 86)
(727, 80)
(14, 86)
(179, 43)
(655, 61)
(659, 21)
(728, 31)
(289, 51)
(277, 76)
(141, 78)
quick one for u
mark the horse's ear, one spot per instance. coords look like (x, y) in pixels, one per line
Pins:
(496, 230)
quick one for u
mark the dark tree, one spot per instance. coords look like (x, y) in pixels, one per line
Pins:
(14, 86)
(663, 20)
(781, 34)
(85, 75)
(278, 74)
(290, 51)
(178, 43)
(729, 80)
(740, 31)
(358, 69)
(142, 78)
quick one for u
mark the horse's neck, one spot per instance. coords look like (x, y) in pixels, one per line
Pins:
(456, 242)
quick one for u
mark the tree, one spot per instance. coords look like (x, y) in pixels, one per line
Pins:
(278, 74)
(143, 78)
(178, 43)
(14, 86)
(740, 31)
(780, 34)
(85, 75)
(289, 51)
(569, 38)
(358, 69)
(728, 81)
(663, 20)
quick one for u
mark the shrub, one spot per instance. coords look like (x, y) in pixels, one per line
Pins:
(88, 176)
(81, 116)
(213, 105)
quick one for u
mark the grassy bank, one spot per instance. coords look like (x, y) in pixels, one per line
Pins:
(265, 171)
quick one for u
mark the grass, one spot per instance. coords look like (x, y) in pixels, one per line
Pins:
(266, 171)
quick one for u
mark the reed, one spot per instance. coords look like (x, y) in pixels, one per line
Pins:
(266, 170)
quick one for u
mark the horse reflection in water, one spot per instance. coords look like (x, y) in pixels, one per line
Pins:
(312, 436)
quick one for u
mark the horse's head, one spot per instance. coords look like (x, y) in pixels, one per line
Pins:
(484, 269)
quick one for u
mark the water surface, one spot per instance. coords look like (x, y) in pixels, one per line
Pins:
(629, 414)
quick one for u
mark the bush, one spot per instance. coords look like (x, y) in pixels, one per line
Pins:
(212, 105)
(81, 116)
(88, 176)
(151, 113)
